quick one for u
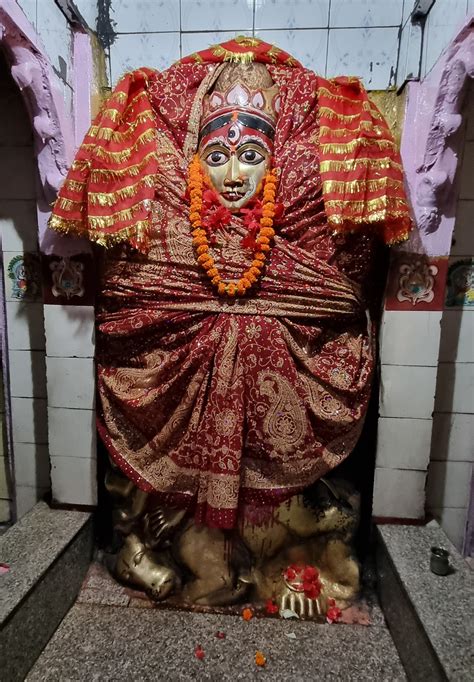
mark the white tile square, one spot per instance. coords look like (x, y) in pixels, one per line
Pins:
(27, 374)
(217, 15)
(290, 14)
(466, 190)
(410, 337)
(4, 478)
(308, 46)
(56, 36)
(18, 225)
(457, 336)
(408, 64)
(407, 391)
(403, 443)
(5, 511)
(399, 494)
(453, 437)
(443, 22)
(71, 382)
(31, 465)
(26, 497)
(131, 51)
(448, 484)
(365, 13)
(74, 480)
(145, 16)
(455, 388)
(69, 331)
(463, 234)
(453, 522)
(15, 163)
(72, 433)
(25, 325)
(89, 11)
(195, 42)
(369, 53)
(29, 420)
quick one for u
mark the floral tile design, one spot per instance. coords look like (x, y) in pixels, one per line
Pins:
(460, 283)
(415, 282)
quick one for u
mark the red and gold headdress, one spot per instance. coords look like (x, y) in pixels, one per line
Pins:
(107, 193)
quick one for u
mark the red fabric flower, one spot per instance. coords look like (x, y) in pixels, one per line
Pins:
(310, 574)
(271, 607)
(312, 590)
(290, 573)
(333, 613)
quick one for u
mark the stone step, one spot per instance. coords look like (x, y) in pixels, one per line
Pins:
(47, 553)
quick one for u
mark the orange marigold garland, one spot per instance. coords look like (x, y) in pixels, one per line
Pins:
(263, 239)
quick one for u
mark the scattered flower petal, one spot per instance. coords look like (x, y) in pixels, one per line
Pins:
(220, 635)
(290, 635)
(4, 568)
(260, 659)
(333, 613)
(288, 613)
(247, 614)
(199, 652)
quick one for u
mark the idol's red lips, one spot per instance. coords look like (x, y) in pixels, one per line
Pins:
(232, 196)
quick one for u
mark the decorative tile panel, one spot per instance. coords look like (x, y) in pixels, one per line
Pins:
(460, 284)
(131, 51)
(145, 16)
(308, 46)
(195, 42)
(68, 281)
(365, 13)
(23, 276)
(415, 282)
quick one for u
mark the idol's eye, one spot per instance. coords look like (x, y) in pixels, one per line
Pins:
(216, 158)
(251, 156)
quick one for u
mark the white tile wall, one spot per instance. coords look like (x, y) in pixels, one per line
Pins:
(453, 437)
(195, 42)
(27, 497)
(309, 47)
(463, 235)
(145, 16)
(69, 331)
(4, 492)
(25, 325)
(5, 511)
(444, 20)
(403, 443)
(290, 14)
(448, 484)
(410, 338)
(29, 420)
(455, 388)
(55, 34)
(72, 433)
(130, 51)
(399, 493)
(407, 391)
(31, 465)
(71, 382)
(409, 54)
(453, 522)
(27, 374)
(29, 9)
(216, 15)
(457, 336)
(18, 225)
(365, 13)
(74, 480)
(369, 53)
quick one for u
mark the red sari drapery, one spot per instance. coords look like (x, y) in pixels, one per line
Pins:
(213, 404)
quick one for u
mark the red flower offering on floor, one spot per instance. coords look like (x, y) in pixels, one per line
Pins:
(271, 607)
(333, 613)
(199, 652)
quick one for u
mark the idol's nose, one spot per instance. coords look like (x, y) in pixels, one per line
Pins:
(233, 177)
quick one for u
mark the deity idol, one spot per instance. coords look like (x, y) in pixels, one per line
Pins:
(241, 197)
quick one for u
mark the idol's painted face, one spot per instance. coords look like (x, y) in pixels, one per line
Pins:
(235, 159)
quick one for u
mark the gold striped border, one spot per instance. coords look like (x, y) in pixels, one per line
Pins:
(138, 229)
(100, 222)
(74, 185)
(106, 133)
(348, 147)
(100, 174)
(368, 126)
(115, 114)
(124, 154)
(365, 206)
(337, 166)
(354, 186)
(111, 198)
